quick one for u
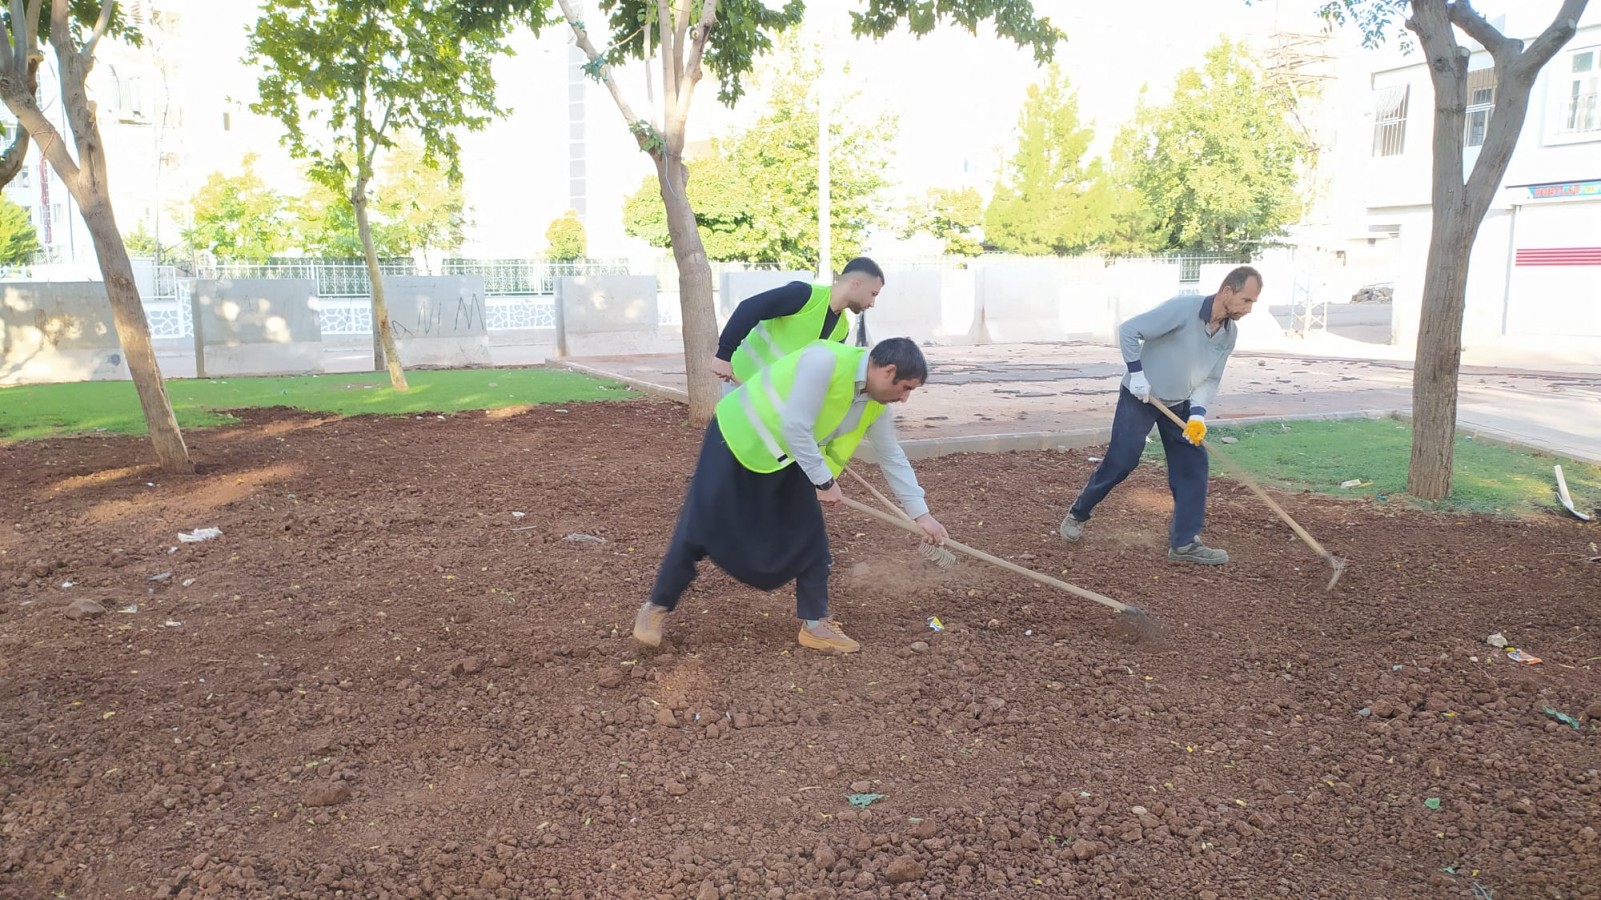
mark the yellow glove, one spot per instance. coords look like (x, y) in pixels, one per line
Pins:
(1195, 431)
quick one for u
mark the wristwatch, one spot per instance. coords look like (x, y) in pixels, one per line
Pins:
(825, 485)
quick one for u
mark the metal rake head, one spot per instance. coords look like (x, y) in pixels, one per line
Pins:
(1339, 569)
(937, 555)
(1140, 627)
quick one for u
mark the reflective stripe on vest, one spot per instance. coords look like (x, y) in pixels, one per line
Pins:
(754, 419)
(760, 344)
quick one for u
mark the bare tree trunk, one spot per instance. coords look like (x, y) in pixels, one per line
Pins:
(1439, 353)
(683, 44)
(380, 308)
(85, 178)
(694, 291)
(1459, 207)
(133, 330)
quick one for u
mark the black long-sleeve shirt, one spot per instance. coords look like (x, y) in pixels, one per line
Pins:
(776, 303)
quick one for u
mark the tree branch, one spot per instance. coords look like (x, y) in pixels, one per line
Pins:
(581, 36)
(378, 136)
(669, 51)
(1464, 16)
(698, 36)
(680, 29)
(102, 22)
(1555, 35)
(18, 35)
(51, 147)
(61, 30)
(1447, 62)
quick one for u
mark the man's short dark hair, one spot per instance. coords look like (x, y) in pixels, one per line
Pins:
(865, 266)
(1236, 279)
(904, 355)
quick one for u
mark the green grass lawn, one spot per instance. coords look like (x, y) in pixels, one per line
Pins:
(35, 411)
(1319, 456)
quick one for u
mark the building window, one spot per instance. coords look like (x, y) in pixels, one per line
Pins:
(1579, 87)
(1389, 121)
(1481, 102)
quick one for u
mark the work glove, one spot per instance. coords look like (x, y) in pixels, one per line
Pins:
(1139, 386)
(1195, 430)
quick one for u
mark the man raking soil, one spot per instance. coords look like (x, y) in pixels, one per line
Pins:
(769, 461)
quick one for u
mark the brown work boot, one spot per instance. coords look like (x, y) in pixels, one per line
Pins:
(648, 624)
(827, 636)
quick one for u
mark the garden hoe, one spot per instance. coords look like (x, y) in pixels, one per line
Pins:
(939, 556)
(1334, 562)
(1140, 625)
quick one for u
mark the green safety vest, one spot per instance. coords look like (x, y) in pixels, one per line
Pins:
(751, 423)
(773, 339)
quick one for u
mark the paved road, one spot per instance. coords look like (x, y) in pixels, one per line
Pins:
(1015, 396)
(1367, 323)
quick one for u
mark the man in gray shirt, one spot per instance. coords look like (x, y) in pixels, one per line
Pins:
(1176, 353)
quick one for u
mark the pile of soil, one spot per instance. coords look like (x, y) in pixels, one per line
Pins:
(405, 669)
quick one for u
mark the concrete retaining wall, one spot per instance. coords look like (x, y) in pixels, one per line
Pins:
(257, 326)
(1021, 303)
(605, 314)
(911, 305)
(58, 331)
(438, 320)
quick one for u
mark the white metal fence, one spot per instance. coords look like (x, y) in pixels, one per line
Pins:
(520, 293)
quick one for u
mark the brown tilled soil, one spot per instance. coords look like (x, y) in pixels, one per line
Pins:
(381, 681)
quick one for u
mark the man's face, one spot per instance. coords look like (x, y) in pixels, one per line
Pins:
(883, 386)
(1238, 304)
(860, 290)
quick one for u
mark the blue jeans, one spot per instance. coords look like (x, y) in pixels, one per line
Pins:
(1186, 465)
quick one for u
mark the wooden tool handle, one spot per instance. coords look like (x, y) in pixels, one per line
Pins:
(1251, 484)
(992, 560)
(881, 498)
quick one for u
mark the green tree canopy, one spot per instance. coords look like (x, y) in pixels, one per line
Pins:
(756, 196)
(565, 238)
(725, 209)
(19, 242)
(238, 216)
(1050, 199)
(953, 215)
(1218, 168)
(422, 206)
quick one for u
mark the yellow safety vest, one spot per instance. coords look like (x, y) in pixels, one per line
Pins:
(773, 339)
(751, 421)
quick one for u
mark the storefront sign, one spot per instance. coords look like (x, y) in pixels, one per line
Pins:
(1563, 190)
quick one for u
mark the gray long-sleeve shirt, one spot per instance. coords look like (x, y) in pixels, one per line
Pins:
(799, 417)
(1171, 344)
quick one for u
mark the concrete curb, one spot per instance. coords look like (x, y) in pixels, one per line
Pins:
(649, 387)
(1490, 435)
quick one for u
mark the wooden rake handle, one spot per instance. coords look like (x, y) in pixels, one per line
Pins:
(1251, 483)
(992, 560)
(892, 507)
